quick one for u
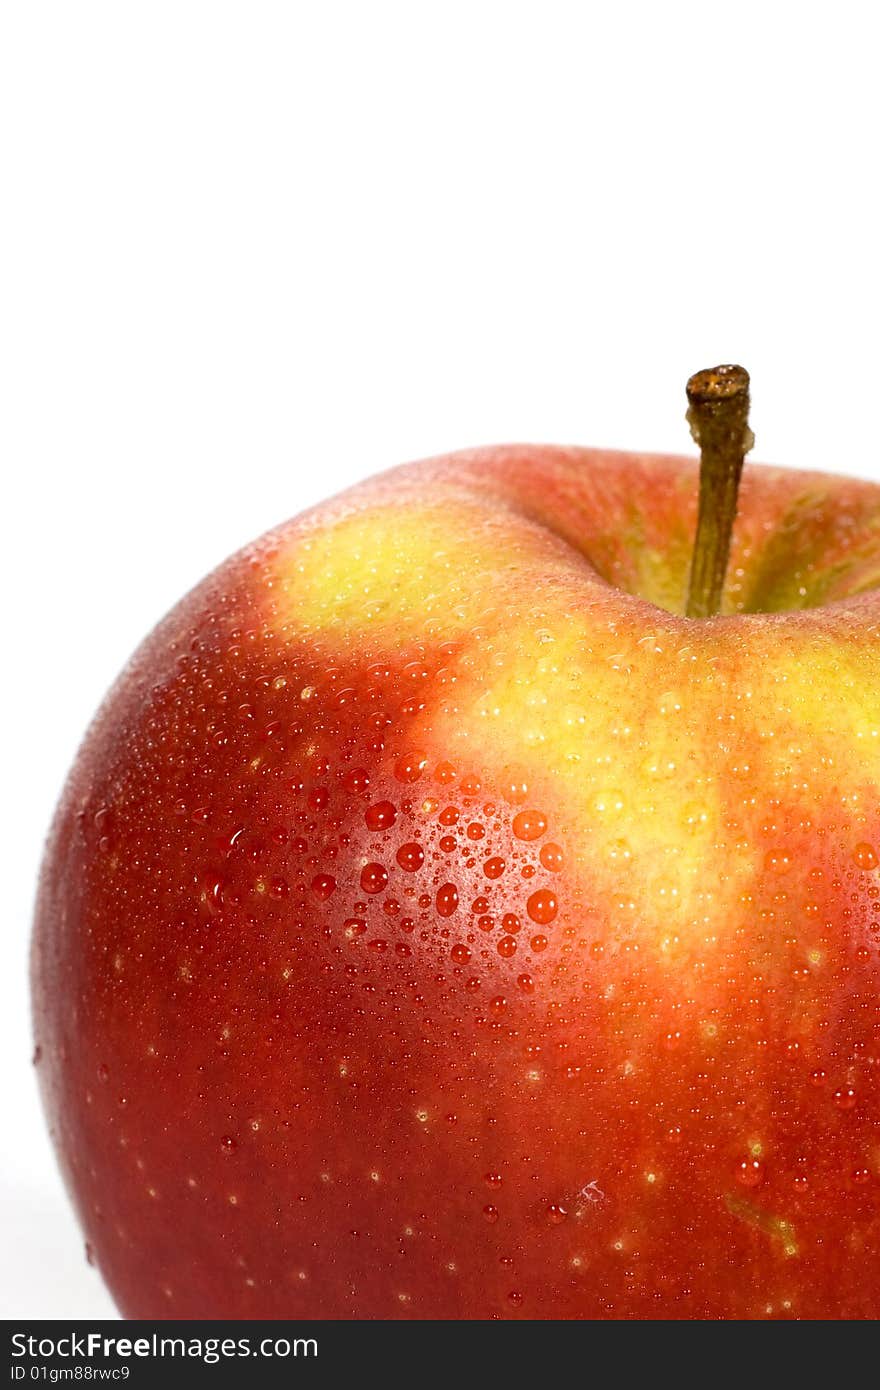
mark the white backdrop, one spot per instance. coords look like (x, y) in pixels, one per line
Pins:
(254, 251)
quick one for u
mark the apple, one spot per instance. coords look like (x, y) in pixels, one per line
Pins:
(440, 923)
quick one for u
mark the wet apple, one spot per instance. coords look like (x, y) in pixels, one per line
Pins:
(438, 922)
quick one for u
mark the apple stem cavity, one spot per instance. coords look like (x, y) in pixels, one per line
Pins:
(718, 415)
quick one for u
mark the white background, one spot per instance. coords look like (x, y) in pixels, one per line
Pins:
(252, 252)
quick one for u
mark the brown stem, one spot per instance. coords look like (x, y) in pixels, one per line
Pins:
(718, 414)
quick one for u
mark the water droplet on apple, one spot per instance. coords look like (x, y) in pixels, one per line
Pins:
(374, 877)
(777, 861)
(410, 856)
(356, 781)
(410, 767)
(514, 787)
(381, 816)
(447, 899)
(542, 907)
(749, 1172)
(212, 896)
(529, 825)
(551, 857)
(323, 886)
(865, 857)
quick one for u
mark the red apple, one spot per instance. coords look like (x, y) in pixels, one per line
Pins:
(439, 924)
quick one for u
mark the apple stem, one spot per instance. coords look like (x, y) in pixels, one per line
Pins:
(718, 414)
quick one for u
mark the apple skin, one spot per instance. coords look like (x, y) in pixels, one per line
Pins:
(435, 925)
